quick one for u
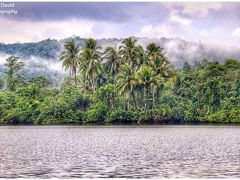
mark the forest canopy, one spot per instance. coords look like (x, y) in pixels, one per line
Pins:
(125, 85)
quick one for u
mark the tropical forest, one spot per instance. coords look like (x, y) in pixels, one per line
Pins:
(128, 84)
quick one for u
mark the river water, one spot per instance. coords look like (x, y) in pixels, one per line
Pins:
(115, 152)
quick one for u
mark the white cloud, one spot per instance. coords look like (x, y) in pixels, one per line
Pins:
(176, 18)
(203, 33)
(146, 29)
(200, 9)
(162, 30)
(195, 9)
(25, 31)
(236, 32)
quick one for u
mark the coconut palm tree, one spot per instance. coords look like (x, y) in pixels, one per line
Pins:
(91, 44)
(145, 77)
(156, 84)
(84, 84)
(160, 65)
(111, 61)
(70, 58)
(90, 65)
(152, 49)
(125, 82)
(130, 52)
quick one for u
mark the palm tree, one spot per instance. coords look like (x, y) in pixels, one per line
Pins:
(91, 44)
(125, 83)
(157, 60)
(160, 65)
(145, 77)
(112, 62)
(84, 84)
(157, 82)
(70, 58)
(152, 49)
(141, 59)
(131, 53)
(90, 65)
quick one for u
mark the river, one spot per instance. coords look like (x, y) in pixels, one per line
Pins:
(117, 151)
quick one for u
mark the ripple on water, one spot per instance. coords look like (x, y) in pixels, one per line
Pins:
(146, 152)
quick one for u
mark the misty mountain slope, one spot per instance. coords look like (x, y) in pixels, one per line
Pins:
(42, 58)
(45, 49)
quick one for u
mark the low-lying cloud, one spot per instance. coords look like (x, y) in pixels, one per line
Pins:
(35, 66)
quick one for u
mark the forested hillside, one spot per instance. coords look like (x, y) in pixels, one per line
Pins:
(122, 84)
(177, 50)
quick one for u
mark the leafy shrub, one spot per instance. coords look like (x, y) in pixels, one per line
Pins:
(105, 94)
(57, 113)
(217, 117)
(96, 114)
(121, 116)
(159, 115)
(178, 113)
(224, 116)
(1, 83)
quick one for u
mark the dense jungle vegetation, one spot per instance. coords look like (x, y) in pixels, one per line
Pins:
(125, 85)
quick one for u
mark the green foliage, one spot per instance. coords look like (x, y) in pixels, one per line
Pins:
(20, 107)
(158, 115)
(105, 94)
(13, 67)
(123, 86)
(97, 114)
(1, 83)
(41, 81)
(58, 113)
(186, 67)
(46, 49)
(120, 116)
(70, 58)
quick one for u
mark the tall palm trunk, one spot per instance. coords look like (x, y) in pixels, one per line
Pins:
(113, 100)
(153, 99)
(134, 100)
(128, 104)
(75, 78)
(93, 88)
(74, 73)
(92, 82)
(145, 97)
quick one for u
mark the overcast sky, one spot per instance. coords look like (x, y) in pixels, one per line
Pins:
(217, 23)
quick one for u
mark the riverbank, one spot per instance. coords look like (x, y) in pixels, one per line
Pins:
(127, 125)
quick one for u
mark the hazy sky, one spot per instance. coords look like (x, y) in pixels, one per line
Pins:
(206, 22)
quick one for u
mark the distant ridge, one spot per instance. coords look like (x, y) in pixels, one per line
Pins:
(177, 50)
(42, 58)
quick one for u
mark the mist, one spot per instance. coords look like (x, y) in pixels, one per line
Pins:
(177, 50)
(36, 66)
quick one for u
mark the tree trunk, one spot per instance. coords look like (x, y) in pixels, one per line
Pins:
(126, 104)
(153, 99)
(145, 97)
(113, 101)
(75, 78)
(92, 82)
(134, 101)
